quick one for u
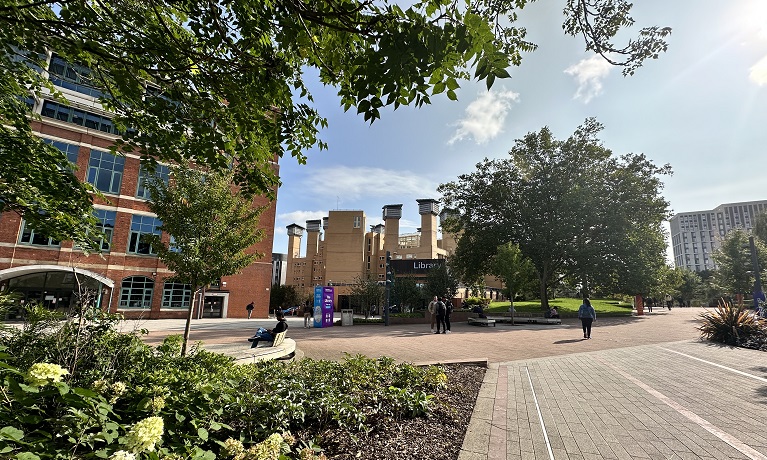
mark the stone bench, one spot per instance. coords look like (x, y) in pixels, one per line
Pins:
(528, 318)
(481, 322)
(281, 348)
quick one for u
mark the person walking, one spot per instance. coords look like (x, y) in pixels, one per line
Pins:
(250, 308)
(587, 315)
(440, 311)
(432, 312)
(448, 312)
(307, 315)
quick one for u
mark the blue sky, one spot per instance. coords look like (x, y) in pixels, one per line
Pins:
(701, 107)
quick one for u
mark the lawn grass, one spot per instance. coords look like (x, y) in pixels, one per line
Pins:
(566, 307)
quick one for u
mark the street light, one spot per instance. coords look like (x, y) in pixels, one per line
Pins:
(389, 282)
(758, 293)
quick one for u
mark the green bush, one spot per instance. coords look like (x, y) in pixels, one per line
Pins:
(472, 301)
(730, 324)
(199, 406)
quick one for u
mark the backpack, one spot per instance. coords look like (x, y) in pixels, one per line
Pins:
(441, 309)
(448, 308)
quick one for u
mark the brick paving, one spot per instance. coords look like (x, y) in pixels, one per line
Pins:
(641, 388)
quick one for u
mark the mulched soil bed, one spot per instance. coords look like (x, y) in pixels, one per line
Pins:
(439, 437)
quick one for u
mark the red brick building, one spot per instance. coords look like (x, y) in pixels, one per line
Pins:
(127, 277)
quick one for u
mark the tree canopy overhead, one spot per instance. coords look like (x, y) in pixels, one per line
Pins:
(223, 83)
(573, 209)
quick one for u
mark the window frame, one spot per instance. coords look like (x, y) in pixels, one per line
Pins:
(97, 168)
(137, 230)
(145, 296)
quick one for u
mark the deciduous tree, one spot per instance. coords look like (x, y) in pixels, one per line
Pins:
(212, 228)
(514, 269)
(440, 281)
(226, 83)
(366, 292)
(734, 270)
(572, 207)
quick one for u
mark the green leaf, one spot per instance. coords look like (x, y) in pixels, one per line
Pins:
(451, 95)
(27, 456)
(11, 433)
(202, 433)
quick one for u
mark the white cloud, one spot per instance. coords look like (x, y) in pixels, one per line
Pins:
(353, 184)
(485, 117)
(589, 74)
(759, 72)
(296, 217)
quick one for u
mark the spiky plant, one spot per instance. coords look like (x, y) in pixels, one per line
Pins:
(728, 324)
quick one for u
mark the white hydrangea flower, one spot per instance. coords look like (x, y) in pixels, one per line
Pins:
(43, 373)
(145, 434)
(234, 448)
(158, 403)
(119, 388)
(122, 455)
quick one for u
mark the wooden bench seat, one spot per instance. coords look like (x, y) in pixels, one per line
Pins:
(481, 322)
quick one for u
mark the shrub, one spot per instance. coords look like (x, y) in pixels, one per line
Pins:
(471, 301)
(730, 324)
(155, 400)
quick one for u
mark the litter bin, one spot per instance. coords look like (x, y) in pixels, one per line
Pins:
(347, 317)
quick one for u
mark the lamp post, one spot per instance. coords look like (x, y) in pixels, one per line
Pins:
(389, 281)
(758, 293)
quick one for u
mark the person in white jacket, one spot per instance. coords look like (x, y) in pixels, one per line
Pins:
(433, 312)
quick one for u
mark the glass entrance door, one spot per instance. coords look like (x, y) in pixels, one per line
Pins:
(214, 307)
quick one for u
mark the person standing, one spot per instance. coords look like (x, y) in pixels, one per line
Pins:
(250, 308)
(587, 315)
(448, 312)
(440, 310)
(432, 312)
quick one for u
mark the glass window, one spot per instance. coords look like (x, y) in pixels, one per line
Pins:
(176, 295)
(70, 150)
(106, 225)
(357, 221)
(140, 229)
(79, 117)
(72, 76)
(160, 171)
(105, 171)
(31, 236)
(136, 292)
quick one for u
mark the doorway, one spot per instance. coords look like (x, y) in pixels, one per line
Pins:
(213, 307)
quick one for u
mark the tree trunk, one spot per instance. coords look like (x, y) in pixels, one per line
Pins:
(544, 296)
(189, 320)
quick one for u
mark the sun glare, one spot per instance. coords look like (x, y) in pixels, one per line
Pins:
(753, 18)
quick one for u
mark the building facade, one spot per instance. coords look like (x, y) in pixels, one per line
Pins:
(279, 267)
(339, 249)
(127, 277)
(696, 235)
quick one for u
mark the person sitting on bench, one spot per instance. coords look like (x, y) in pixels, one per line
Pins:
(478, 309)
(552, 313)
(268, 335)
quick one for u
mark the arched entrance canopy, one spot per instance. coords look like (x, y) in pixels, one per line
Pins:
(14, 272)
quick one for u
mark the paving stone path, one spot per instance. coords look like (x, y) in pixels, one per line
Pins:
(641, 388)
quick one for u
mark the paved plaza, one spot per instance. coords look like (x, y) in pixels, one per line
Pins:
(641, 388)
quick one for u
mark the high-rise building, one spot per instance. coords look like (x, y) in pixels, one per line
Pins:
(696, 235)
(127, 277)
